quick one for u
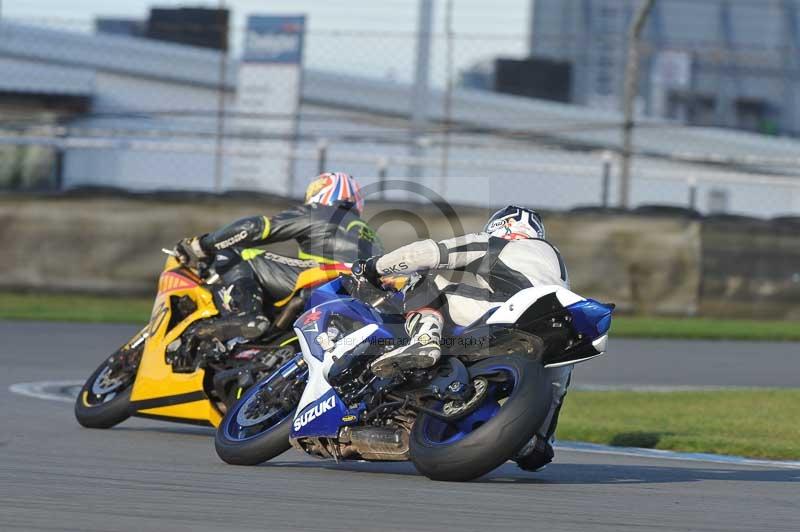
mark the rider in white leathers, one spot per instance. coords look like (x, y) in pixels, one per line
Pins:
(511, 254)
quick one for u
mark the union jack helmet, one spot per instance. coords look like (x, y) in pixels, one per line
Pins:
(334, 187)
(515, 223)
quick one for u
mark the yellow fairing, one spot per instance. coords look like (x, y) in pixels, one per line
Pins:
(200, 411)
(158, 391)
(315, 276)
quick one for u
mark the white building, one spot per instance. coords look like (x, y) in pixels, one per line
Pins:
(727, 63)
(144, 115)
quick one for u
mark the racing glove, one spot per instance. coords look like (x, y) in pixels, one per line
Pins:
(366, 270)
(189, 253)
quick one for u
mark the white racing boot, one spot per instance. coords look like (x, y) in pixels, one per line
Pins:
(423, 351)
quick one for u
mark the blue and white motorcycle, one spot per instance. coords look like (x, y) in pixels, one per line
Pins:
(455, 421)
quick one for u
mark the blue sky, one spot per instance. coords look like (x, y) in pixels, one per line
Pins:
(369, 37)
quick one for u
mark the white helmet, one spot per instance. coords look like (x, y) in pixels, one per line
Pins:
(515, 223)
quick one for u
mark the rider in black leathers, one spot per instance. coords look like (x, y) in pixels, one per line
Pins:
(328, 228)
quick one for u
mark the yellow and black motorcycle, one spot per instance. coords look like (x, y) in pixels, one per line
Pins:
(140, 379)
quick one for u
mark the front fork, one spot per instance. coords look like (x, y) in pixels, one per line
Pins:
(130, 354)
(230, 393)
(244, 378)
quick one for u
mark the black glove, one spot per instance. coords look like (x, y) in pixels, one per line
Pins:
(366, 270)
(189, 253)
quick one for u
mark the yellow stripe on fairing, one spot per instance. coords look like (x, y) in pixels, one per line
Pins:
(267, 227)
(316, 258)
(195, 410)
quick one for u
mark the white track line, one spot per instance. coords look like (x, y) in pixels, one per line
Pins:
(660, 388)
(48, 390)
(672, 455)
(55, 391)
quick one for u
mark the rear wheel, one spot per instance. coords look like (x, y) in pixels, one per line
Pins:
(515, 401)
(105, 397)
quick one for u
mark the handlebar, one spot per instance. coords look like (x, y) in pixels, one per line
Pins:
(370, 294)
(203, 271)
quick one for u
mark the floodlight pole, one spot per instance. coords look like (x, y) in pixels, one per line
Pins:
(629, 99)
(448, 97)
(219, 163)
(419, 92)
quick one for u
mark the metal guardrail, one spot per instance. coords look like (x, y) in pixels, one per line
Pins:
(605, 159)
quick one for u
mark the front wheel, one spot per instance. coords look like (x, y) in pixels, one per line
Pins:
(257, 427)
(515, 401)
(105, 397)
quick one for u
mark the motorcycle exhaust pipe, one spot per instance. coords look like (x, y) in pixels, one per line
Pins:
(374, 443)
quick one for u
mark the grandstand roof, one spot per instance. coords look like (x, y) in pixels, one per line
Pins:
(53, 61)
(113, 53)
(564, 125)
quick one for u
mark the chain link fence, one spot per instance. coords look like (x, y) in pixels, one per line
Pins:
(84, 108)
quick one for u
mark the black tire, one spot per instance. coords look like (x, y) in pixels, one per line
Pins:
(257, 428)
(102, 415)
(498, 439)
(249, 435)
(257, 450)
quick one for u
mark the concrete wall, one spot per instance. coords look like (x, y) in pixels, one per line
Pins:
(751, 268)
(646, 264)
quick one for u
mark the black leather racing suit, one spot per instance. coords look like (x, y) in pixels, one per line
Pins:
(324, 233)
(252, 279)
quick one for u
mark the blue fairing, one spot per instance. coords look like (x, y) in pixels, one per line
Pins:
(329, 291)
(316, 320)
(591, 318)
(322, 418)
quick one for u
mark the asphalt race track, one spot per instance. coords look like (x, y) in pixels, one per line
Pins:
(54, 475)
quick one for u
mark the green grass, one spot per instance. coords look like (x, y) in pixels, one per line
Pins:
(747, 422)
(60, 307)
(63, 307)
(705, 329)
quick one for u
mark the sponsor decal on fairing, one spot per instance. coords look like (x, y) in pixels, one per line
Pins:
(313, 413)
